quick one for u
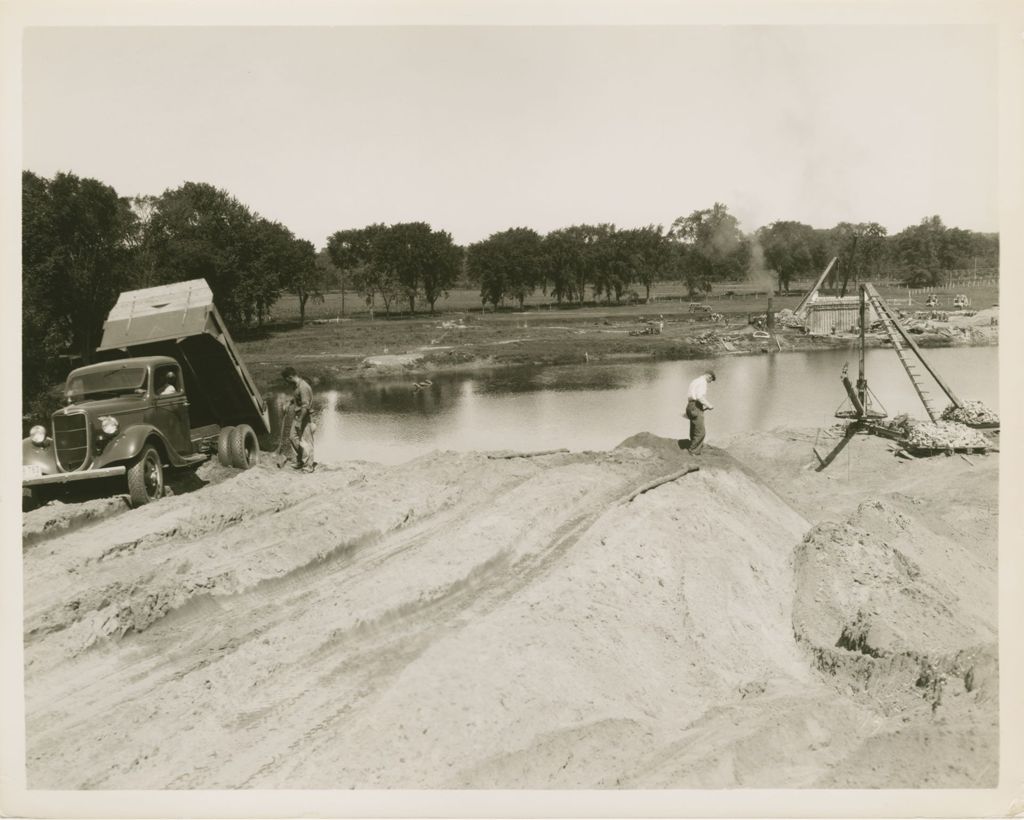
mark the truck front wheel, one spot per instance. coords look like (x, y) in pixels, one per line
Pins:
(146, 478)
(224, 445)
(244, 448)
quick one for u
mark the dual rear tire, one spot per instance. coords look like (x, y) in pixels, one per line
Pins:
(238, 447)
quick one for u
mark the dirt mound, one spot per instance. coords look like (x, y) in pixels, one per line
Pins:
(880, 621)
(466, 621)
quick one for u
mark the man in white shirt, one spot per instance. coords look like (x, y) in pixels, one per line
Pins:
(696, 403)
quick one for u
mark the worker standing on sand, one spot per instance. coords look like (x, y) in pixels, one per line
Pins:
(696, 403)
(301, 437)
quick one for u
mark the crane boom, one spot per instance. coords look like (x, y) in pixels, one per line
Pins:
(900, 341)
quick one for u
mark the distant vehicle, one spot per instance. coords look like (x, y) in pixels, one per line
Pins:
(180, 395)
(700, 307)
(961, 300)
(932, 301)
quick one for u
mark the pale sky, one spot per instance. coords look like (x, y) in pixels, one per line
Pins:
(476, 130)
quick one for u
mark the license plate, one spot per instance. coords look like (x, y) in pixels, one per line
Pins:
(30, 471)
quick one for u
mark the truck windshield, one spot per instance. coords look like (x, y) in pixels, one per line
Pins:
(106, 383)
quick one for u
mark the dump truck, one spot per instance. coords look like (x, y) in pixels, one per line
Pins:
(169, 390)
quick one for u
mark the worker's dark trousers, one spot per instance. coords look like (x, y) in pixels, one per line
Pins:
(695, 413)
(302, 444)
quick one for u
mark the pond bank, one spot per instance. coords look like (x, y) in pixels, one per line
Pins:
(363, 349)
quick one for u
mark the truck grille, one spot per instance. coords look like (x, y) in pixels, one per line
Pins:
(71, 440)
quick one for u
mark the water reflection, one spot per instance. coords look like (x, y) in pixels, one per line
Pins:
(597, 406)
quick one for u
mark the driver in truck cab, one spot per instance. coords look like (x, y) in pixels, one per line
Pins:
(170, 383)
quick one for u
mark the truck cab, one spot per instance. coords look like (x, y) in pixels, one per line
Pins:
(172, 392)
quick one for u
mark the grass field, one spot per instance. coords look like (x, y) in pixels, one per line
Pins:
(461, 335)
(666, 297)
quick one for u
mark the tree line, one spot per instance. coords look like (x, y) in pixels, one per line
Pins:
(83, 244)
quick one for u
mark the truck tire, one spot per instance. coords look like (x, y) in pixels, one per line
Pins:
(146, 477)
(243, 447)
(224, 446)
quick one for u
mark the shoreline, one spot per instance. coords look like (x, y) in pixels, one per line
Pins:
(425, 362)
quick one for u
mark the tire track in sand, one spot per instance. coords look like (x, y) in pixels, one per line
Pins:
(251, 635)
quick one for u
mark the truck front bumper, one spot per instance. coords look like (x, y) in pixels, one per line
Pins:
(65, 478)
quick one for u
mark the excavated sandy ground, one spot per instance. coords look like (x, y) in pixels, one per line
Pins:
(471, 621)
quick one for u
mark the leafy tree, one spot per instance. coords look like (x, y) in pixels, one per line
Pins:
(984, 249)
(563, 256)
(442, 267)
(606, 258)
(713, 248)
(925, 249)
(861, 248)
(789, 249)
(359, 252)
(44, 334)
(143, 207)
(409, 246)
(590, 239)
(507, 264)
(349, 252)
(406, 259)
(380, 274)
(297, 264)
(329, 276)
(276, 260)
(639, 255)
(76, 236)
(199, 231)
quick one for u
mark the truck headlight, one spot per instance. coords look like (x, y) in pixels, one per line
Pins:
(108, 424)
(37, 434)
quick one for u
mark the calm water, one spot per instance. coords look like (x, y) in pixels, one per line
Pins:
(583, 407)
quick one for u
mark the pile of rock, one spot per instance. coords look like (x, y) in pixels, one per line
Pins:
(972, 413)
(938, 435)
(787, 318)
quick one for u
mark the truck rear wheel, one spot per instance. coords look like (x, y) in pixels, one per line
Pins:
(224, 446)
(146, 477)
(244, 447)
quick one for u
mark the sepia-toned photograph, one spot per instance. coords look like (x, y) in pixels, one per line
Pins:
(509, 407)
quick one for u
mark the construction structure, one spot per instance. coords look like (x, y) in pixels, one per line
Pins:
(824, 315)
(862, 404)
(867, 415)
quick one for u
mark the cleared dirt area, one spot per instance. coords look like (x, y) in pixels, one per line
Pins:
(342, 347)
(480, 620)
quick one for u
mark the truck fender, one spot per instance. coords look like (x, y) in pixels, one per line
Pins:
(132, 441)
(43, 455)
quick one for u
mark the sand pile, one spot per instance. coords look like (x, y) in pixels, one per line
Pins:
(462, 621)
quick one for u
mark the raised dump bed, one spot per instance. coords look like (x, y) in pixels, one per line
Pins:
(181, 321)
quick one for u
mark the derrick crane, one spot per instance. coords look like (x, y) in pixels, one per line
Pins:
(902, 342)
(862, 401)
(907, 351)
